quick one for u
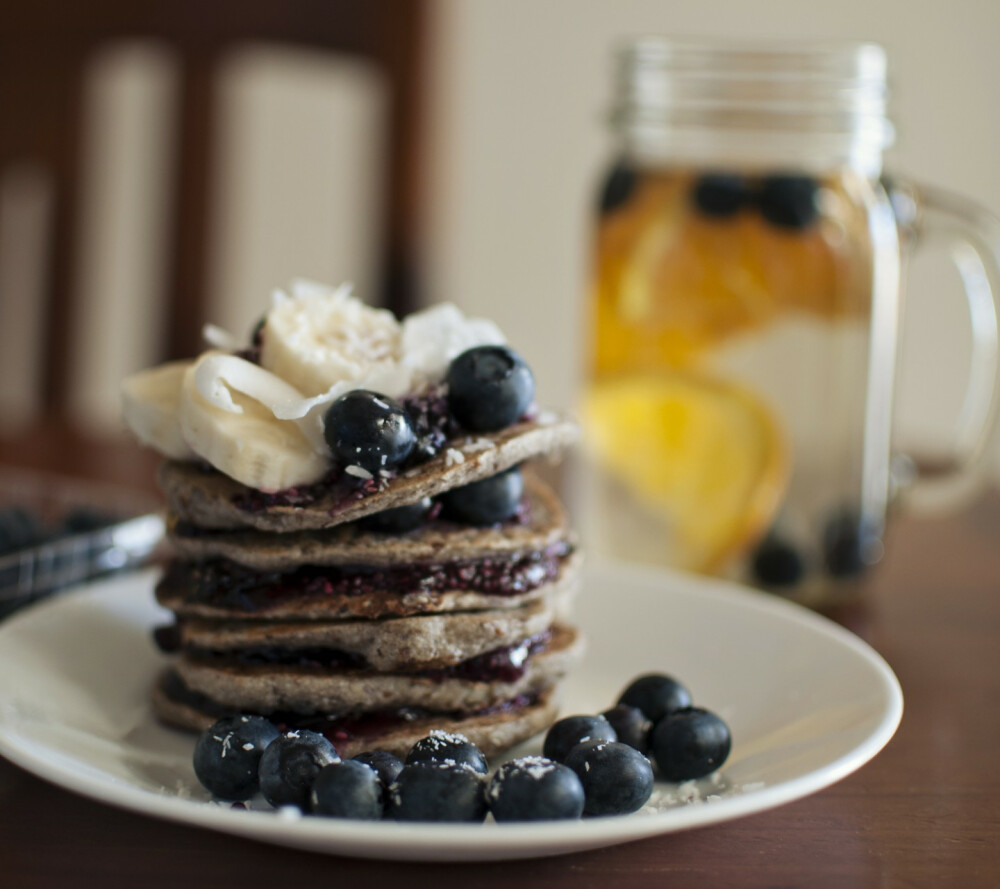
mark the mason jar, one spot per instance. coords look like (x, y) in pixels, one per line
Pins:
(744, 314)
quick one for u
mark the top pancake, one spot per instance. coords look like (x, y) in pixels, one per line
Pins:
(210, 499)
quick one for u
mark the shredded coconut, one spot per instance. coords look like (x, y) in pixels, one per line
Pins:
(478, 444)
(453, 456)
(358, 471)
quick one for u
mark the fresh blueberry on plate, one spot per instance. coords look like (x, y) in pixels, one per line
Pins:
(369, 430)
(489, 388)
(227, 756)
(690, 744)
(347, 789)
(385, 764)
(290, 764)
(437, 791)
(617, 779)
(534, 788)
(441, 746)
(568, 732)
(488, 501)
(656, 695)
(631, 726)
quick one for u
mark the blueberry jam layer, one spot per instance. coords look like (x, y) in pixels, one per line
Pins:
(227, 584)
(339, 727)
(506, 664)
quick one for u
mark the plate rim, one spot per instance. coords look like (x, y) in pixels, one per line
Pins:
(468, 841)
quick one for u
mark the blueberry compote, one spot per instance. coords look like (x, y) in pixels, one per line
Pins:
(227, 584)
(506, 664)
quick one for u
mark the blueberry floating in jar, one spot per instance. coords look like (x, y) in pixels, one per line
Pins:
(347, 789)
(437, 791)
(618, 188)
(630, 725)
(398, 520)
(441, 746)
(369, 430)
(486, 502)
(386, 766)
(690, 744)
(570, 731)
(489, 388)
(227, 756)
(290, 764)
(777, 563)
(534, 788)
(720, 195)
(789, 201)
(616, 778)
(656, 695)
(851, 544)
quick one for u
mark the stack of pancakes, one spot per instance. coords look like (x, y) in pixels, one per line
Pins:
(290, 606)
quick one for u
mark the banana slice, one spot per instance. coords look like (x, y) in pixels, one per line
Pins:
(150, 401)
(226, 416)
(319, 337)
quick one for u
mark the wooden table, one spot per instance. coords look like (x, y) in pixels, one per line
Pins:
(925, 812)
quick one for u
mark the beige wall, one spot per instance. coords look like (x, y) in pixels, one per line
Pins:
(520, 88)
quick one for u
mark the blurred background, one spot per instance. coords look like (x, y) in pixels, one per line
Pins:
(166, 164)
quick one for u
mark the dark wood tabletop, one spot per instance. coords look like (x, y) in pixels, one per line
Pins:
(924, 812)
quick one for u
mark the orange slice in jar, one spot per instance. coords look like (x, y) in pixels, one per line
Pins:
(703, 458)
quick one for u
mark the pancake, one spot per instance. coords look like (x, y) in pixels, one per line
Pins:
(396, 644)
(275, 687)
(491, 732)
(543, 524)
(265, 600)
(209, 499)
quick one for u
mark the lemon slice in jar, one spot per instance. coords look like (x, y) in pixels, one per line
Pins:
(705, 458)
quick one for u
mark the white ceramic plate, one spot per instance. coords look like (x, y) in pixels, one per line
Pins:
(807, 702)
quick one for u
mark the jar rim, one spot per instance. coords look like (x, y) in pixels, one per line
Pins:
(819, 96)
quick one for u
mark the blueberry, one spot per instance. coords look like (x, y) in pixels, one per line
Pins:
(494, 499)
(385, 764)
(227, 756)
(777, 563)
(368, 430)
(290, 765)
(489, 387)
(441, 746)
(851, 544)
(631, 726)
(569, 731)
(398, 520)
(616, 778)
(789, 201)
(19, 529)
(347, 790)
(656, 695)
(437, 791)
(690, 744)
(720, 195)
(618, 187)
(535, 789)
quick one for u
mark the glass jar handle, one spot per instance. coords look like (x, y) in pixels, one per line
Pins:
(972, 237)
